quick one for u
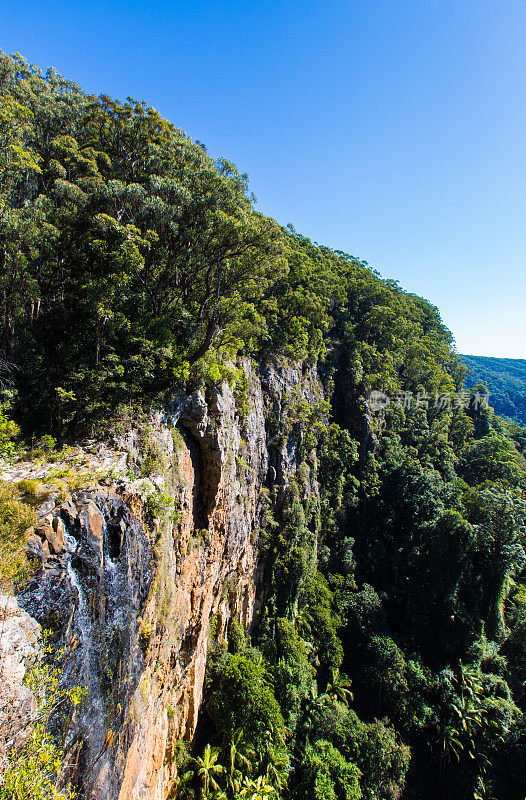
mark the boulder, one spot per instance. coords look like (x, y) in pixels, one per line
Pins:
(46, 507)
(92, 519)
(20, 646)
(54, 535)
(56, 540)
(68, 511)
(34, 548)
(19, 640)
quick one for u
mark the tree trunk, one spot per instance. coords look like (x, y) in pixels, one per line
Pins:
(205, 344)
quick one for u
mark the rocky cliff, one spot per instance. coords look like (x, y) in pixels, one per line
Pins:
(135, 576)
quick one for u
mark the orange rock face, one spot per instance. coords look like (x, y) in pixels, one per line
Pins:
(205, 568)
(149, 567)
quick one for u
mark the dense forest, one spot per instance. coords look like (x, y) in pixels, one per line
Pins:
(389, 657)
(506, 382)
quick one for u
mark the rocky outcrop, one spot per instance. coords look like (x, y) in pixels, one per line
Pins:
(20, 646)
(133, 575)
(89, 591)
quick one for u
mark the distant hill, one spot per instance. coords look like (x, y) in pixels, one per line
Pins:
(506, 381)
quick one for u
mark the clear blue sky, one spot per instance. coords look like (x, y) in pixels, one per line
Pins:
(392, 130)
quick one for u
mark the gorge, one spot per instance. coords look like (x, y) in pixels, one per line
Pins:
(227, 571)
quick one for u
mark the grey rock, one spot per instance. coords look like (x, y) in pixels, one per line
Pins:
(34, 548)
(46, 507)
(68, 511)
(20, 646)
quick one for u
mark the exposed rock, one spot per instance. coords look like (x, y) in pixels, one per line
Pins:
(101, 463)
(20, 645)
(45, 508)
(137, 630)
(59, 530)
(19, 640)
(52, 536)
(68, 511)
(34, 548)
(221, 467)
(92, 519)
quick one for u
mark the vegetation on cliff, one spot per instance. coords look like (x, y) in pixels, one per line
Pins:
(506, 381)
(131, 262)
(388, 660)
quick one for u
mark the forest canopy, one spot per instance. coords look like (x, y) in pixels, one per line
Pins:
(506, 381)
(131, 262)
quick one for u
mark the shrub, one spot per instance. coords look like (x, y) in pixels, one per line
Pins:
(327, 775)
(30, 486)
(15, 519)
(9, 430)
(384, 760)
(34, 767)
(34, 773)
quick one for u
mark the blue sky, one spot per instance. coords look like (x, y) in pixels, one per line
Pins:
(392, 130)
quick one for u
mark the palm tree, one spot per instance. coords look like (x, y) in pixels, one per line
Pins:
(258, 789)
(274, 776)
(464, 716)
(208, 769)
(240, 753)
(182, 786)
(272, 761)
(304, 621)
(340, 687)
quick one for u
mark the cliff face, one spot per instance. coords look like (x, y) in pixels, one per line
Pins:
(20, 645)
(135, 575)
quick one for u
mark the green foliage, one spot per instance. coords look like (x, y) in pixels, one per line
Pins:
(493, 458)
(241, 697)
(36, 772)
(499, 515)
(325, 621)
(293, 673)
(384, 762)
(258, 789)
(208, 770)
(15, 519)
(30, 486)
(9, 430)
(327, 775)
(506, 381)
(151, 457)
(35, 765)
(288, 547)
(133, 263)
(123, 232)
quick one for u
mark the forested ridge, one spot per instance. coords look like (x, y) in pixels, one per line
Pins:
(389, 658)
(506, 381)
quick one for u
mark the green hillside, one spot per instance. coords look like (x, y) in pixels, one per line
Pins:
(506, 381)
(387, 658)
